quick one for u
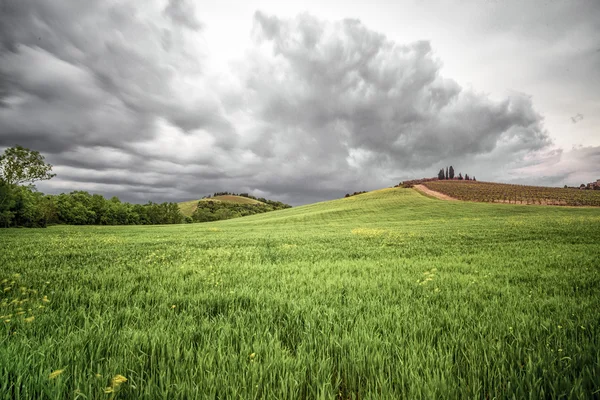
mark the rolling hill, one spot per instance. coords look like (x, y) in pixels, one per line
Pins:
(188, 207)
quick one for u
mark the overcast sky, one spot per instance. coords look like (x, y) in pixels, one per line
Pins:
(299, 101)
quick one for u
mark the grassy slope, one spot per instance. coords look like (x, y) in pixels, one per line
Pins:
(389, 294)
(188, 207)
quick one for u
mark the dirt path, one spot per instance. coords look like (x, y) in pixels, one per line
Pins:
(425, 190)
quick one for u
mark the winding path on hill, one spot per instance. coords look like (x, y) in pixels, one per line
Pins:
(425, 190)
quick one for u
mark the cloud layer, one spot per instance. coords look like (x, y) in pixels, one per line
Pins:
(124, 100)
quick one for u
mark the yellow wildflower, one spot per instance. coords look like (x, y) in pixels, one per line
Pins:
(30, 319)
(45, 299)
(173, 306)
(56, 373)
(119, 379)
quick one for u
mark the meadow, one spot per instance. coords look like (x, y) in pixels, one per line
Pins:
(388, 294)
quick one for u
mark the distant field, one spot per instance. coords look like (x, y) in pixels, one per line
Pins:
(515, 194)
(388, 294)
(188, 207)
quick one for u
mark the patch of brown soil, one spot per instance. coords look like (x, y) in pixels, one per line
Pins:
(425, 190)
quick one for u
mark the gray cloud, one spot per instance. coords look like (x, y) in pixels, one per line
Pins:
(182, 13)
(123, 102)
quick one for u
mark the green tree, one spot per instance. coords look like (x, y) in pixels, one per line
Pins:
(451, 172)
(19, 165)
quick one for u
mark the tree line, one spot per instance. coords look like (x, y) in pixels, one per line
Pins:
(448, 174)
(24, 206)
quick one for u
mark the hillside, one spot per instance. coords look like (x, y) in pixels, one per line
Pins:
(492, 192)
(188, 207)
(384, 295)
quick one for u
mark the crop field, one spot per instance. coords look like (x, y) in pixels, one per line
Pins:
(389, 294)
(515, 194)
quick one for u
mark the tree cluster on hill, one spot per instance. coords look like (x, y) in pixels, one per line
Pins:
(355, 193)
(278, 205)
(449, 175)
(209, 210)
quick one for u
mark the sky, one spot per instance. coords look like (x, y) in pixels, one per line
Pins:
(299, 101)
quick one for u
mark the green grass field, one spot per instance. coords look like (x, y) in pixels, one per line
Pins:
(188, 207)
(388, 295)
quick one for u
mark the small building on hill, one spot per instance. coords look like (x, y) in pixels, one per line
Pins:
(594, 185)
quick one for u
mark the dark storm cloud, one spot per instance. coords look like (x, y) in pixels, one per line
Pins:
(121, 101)
(346, 97)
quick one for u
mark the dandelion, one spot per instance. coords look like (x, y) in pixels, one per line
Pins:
(45, 299)
(173, 306)
(55, 373)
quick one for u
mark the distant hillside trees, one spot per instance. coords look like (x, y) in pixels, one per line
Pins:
(211, 210)
(355, 193)
(278, 205)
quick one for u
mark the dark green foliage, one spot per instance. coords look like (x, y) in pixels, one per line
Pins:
(25, 207)
(20, 165)
(209, 210)
(451, 172)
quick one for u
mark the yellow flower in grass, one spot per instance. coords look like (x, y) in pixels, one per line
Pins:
(56, 373)
(118, 380)
(115, 382)
(30, 319)
(45, 299)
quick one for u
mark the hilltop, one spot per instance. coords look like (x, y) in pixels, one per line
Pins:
(188, 207)
(225, 205)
